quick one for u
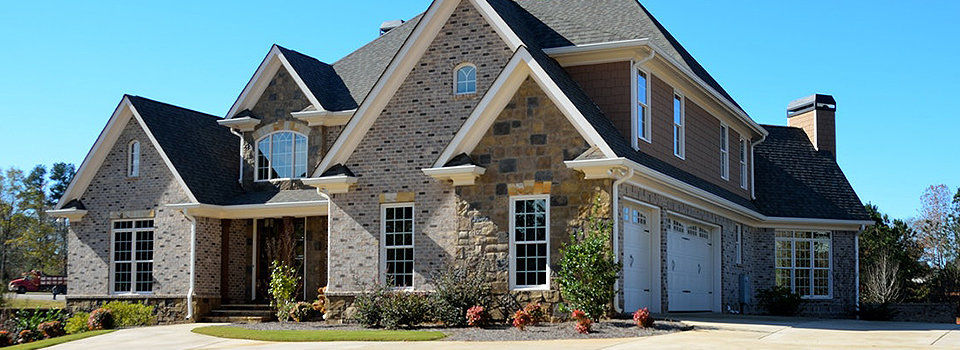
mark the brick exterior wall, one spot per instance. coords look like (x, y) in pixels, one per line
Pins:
(757, 259)
(207, 268)
(236, 281)
(315, 275)
(820, 127)
(418, 122)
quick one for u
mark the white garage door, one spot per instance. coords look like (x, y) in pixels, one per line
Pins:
(636, 259)
(689, 266)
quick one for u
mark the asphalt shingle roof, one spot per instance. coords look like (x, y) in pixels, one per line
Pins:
(793, 179)
(322, 80)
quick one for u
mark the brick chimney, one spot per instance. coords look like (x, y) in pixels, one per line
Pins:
(816, 115)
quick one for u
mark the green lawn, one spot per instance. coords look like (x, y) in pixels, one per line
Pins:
(318, 335)
(33, 304)
(58, 340)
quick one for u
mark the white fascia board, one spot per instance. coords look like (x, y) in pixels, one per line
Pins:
(461, 175)
(73, 214)
(331, 184)
(596, 168)
(254, 211)
(812, 223)
(261, 79)
(324, 117)
(91, 163)
(624, 44)
(163, 154)
(409, 54)
(240, 124)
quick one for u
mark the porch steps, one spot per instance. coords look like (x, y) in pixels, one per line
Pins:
(240, 313)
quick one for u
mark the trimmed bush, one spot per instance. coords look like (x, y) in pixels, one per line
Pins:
(301, 312)
(405, 310)
(522, 319)
(457, 289)
(131, 314)
(477, 316)
(368, 306)
(642, 318)
(779, 301)
(51, 329)
(587, 270)
(77, 323)
(584, 323)
(100, 319)
(535, 310)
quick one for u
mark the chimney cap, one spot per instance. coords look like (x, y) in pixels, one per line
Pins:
(816, 101)
(390, 25)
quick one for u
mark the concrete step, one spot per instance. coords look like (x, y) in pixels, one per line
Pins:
(245, 307)
(234, 319)
(259, 313)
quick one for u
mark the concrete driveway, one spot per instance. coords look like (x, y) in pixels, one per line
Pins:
(711, 332)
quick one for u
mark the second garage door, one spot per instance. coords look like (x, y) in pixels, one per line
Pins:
(690, 270)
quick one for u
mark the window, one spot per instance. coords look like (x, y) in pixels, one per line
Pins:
(743, 164)
(724, 151)
(803, 262)
(133, 159)
(642, 112)
(133, 256)
(397, 249)
(739, 244)
(679, 132)
(466, 82)
(529, 242)
(282, 155)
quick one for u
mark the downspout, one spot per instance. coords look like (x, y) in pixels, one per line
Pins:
(856, 248)
(624, 176)
(193, 262)
(240, 135)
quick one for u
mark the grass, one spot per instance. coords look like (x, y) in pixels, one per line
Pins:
(58, 340)
(33, 304)
(317, 335)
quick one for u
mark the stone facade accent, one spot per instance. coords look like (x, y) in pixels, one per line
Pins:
(168, 309)
(315, 275)
(418, 122)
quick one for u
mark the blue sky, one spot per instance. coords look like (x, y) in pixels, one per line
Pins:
(891, 67)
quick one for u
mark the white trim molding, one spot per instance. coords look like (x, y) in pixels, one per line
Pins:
(331, 184)
(324, 118)
(261, 79)
(242, 124)
(461, 175)
(255, 211)
(72, 214)
(513, 243)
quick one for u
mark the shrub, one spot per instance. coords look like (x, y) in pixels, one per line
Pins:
(320, 305)
(51, 329)
(405, 310)
(875, 312)
(642, 318)
(77, 323)
(536, 312)
(29, 319)
(127, 314)
(283, 284)
(100, 319)
(587, 270)
(458, 288)
(5, 338)
(522, 319)
(779, 300)
(301, 312)
(477, 316)
(583, 322)
(368, 306)
(26, 336)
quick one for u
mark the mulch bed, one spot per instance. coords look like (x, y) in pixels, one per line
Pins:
(543, 331)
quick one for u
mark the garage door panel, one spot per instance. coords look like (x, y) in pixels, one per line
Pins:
(690, 270)
(636, 259)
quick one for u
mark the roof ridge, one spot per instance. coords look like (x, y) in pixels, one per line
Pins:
(172, 105)
(392, 31)
(302, 54)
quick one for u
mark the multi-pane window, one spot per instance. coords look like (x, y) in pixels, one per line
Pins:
(133, 159)
(744, 177)
(282, 155)
(739, 244)
(133, 256)
(398, 245)
(466, 80)
(803, 262)
(724, 151)
(679, 129)
(530, 236)
(643, 107)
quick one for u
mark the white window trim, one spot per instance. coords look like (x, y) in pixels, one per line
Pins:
(383, 243)
(793, 262)
(256, 156)
(744, 172)
(682, 151)
(133, 261)
(725, 151)
(635, 108)
(133, 168)
(456, 78)
(739, 242)
(513, 243)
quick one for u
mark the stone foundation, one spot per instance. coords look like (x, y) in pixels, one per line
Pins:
(168, 309)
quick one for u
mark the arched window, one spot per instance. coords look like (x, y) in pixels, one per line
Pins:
(133, 159)
(466, 82)
(282, 155)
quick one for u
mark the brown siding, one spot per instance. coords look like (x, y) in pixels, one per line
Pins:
(608, 85)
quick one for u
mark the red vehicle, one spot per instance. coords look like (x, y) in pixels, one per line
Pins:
(34, 281)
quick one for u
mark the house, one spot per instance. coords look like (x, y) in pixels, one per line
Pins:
(480, 130)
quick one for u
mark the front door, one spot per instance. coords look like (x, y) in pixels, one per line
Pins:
(636, 259)
(271, 247)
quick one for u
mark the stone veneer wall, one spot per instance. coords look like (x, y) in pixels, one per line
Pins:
(757, 260)
(418, 122)
(167, 309)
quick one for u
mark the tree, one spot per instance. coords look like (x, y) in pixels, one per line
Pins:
(11, 217)
(890, 243)
(937, 234)
(60, 175)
